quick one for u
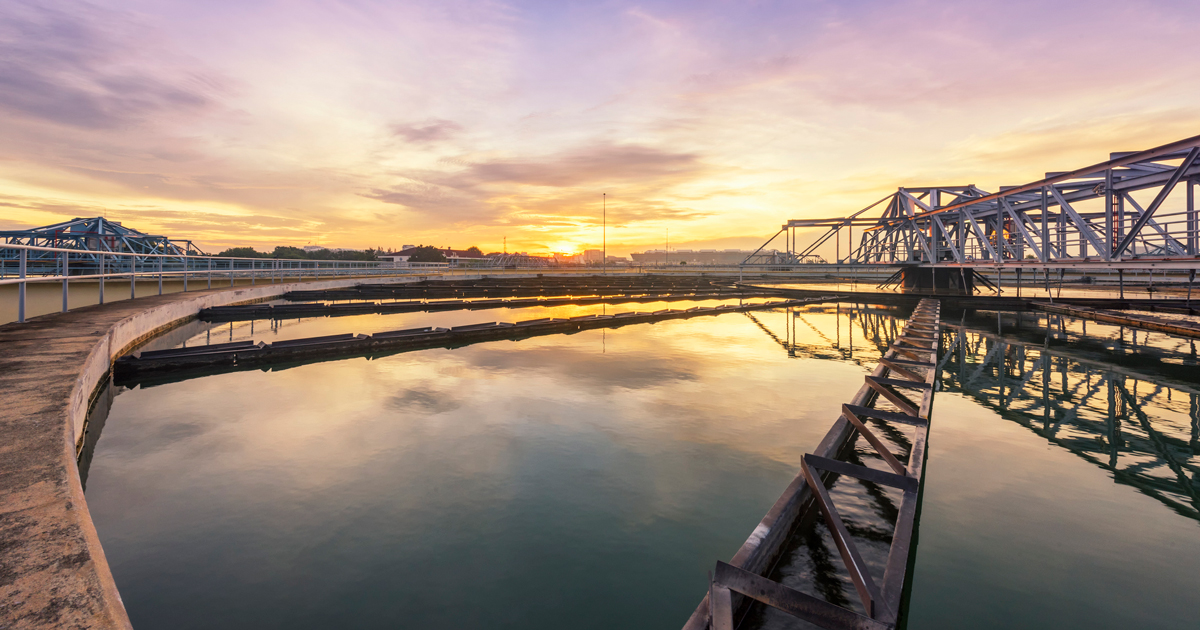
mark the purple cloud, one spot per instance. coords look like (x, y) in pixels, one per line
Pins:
(427, 132)
(76, 65)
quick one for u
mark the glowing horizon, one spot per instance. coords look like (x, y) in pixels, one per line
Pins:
(365, 124)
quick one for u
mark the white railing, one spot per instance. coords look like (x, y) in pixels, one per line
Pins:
(100, 266)
(69, 265)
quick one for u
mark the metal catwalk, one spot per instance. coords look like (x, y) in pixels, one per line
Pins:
(1130, 212)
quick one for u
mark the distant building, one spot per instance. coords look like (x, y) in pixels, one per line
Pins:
(591, 256)
(454, 257)
(693, 257)
(316, 248)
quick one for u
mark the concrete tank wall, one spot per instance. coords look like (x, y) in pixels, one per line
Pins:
(53, 573)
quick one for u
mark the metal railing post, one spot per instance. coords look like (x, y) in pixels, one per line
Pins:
(210, 273)
(21, 288)
(231, 261)
(132, 277)
(185, 272)
(253, 264)
(101, 257)
(66, 274)
(160, 266)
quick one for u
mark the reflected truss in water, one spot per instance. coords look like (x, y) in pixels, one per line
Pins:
(1145, 431)
(1124, 400)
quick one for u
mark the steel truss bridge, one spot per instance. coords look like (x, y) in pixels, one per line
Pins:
(1130, 212)
(91, 237)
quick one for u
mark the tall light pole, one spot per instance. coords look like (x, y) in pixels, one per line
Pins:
(604, 236)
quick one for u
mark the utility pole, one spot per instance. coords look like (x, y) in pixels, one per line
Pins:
(667, 253)
(604, 236)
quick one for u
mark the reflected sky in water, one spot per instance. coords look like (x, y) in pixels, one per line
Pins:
(591, 480)
(592, 477)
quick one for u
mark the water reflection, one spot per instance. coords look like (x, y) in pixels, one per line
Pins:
(1125, 401)
(589, 480)
(573, 480)
(1142, 428)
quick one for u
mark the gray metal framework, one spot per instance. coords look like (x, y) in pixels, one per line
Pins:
(518, 261)
(90, 236)
(1124, 213)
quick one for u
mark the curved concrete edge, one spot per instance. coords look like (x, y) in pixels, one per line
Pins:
(53, 573)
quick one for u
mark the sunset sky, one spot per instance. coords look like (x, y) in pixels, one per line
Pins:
(457, 123)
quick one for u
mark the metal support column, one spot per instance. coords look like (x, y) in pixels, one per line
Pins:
(21, 286)
(1120, 231)
(1191, 217)
(1109, 237)
(66, 274)
(1045, 227)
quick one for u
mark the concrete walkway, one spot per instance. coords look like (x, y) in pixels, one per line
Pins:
(52, 569)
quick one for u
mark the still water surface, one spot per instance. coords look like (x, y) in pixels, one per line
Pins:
(591, 480)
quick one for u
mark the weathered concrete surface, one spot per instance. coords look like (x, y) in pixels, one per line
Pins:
(52, 570)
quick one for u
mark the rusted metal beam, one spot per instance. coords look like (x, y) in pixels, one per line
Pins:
(902, 370)
(880, 477)
(793, 602)
(868, 592)
(904, 404)
(891, 416)
(924, 364)
(742, 577)
(870, 436)
(722, 606)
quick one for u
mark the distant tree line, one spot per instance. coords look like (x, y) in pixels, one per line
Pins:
(421, 253)
(295, 253)
(425, 253)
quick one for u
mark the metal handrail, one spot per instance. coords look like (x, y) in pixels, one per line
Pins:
(185, 265)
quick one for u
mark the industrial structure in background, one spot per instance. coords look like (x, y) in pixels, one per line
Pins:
(725, 257)
(91, 238)
(1126, 213)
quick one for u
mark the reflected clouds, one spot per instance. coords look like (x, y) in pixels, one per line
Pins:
(619, 371)
(430, 401)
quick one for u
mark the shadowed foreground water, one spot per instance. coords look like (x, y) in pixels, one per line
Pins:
(591, 480)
